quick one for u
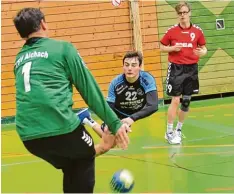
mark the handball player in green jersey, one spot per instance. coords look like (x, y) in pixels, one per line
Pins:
(45, 72)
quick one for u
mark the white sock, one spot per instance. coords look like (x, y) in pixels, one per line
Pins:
(90, 123)
(169, 127)
(179, 125)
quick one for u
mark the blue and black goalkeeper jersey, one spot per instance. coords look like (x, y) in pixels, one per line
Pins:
(136, 100)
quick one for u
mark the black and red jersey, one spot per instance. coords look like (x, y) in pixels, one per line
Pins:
(190, 38)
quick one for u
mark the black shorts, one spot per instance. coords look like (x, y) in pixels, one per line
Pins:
(182, 80)
(73, 153)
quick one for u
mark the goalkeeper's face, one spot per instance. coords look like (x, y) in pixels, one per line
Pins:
(131, 67)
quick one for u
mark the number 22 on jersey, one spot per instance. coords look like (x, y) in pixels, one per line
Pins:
(26, 73)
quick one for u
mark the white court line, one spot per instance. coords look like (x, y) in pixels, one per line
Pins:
(19, 163)
(193, 140)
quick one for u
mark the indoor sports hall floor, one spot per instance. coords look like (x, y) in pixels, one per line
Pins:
(204, 163)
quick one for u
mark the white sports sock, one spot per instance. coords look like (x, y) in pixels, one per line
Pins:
(169, 127)
(179, 125)
(89, 122)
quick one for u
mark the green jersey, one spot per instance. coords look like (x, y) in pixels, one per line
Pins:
(45, 72)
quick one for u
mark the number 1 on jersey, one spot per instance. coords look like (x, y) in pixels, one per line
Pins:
(26, 72)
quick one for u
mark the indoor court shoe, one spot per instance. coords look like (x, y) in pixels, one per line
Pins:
(179, 133)
(172, 138)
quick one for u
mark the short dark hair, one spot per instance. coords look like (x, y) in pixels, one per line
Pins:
(28, 20)
(131, 54)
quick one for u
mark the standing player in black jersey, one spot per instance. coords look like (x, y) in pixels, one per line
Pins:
(132, 95)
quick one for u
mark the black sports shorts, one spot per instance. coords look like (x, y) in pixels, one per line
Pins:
(73, 153)
(182, 79)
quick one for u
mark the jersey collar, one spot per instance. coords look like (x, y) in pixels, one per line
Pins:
(128, 83)
(185, 28)
(32, 40)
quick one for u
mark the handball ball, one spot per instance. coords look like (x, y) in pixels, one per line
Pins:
(122, 181)
(116, 3)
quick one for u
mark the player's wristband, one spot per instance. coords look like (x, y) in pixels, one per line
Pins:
(133, 118)
(103, 125)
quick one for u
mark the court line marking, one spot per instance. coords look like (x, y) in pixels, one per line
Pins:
(194, 109)
(188, 146)
(131, 155)
(200, 109)
(14, 155)
(191, 116)
(228, 115)
(200, 154)
(135, 156)
(176, 154)
(19, 163)
(208, 116)
(221, 189)
(211, 126)
(207, 138)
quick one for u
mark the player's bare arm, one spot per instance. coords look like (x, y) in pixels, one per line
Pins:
(107, 142)
(97, 129)
(122, 139)
(129, 121)
(200, 51)
(121, 136)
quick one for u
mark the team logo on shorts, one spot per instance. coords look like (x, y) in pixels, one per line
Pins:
(168, 86)
(87, 139)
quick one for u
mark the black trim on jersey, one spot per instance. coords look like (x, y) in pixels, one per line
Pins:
(163, 44)
(32, 40)
(185, 28)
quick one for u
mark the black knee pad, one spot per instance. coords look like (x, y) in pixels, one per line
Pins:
(185, 103)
